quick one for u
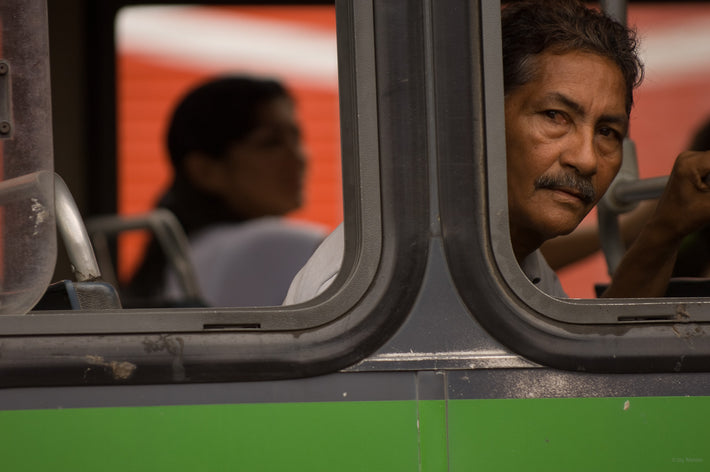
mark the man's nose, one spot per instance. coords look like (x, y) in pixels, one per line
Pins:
(581, 155)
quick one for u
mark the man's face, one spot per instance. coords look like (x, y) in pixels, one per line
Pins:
(564, 133)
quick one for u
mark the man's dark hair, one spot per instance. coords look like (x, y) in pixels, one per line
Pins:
(216, 114)
(561, 26)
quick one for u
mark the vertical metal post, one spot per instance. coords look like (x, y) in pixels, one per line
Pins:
(616, 9)
(27, 230)
(608, 209)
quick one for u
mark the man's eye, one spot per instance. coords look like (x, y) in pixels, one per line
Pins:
(555, 116)
(610, 133)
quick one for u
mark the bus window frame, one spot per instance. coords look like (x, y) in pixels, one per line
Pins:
(385, 253)
(608, 335)
(422, 147)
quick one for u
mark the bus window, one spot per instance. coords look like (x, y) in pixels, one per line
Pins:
(384, 181)
(163, 53)
(428, 280)
(670, 78)
(575, 332)
(27, 231)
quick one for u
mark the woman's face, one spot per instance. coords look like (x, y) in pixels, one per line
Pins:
(263, 173)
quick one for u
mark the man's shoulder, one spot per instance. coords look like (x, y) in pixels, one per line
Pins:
(539, 272)
(320, 270)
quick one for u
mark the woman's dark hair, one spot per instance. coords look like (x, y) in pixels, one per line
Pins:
(560, 26)
(216, 114)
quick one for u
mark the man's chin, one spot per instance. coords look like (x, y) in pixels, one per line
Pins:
(562, 227)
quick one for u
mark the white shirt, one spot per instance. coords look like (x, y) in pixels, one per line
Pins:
(250, 263)
(539, 272)
(320, 271)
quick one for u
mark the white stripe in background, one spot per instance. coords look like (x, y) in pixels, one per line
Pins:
(186, 37)
(679, 51)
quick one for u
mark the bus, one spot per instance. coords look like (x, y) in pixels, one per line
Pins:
(431, 351)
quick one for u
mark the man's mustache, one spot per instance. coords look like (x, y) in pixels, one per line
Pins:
(580, 186)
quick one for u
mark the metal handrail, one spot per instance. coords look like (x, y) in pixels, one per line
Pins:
(74, 235)
(168, 232)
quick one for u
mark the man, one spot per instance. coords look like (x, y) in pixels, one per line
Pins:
(569, 75)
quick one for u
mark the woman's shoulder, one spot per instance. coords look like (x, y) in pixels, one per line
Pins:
(260, 232)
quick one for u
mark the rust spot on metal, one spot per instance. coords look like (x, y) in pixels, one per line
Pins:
(173, 346)
(119, 370)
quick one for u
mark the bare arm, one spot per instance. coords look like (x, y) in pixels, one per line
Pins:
(584, 241)
(570, 248)
(683, 208)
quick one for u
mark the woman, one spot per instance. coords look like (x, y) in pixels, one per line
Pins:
(235, 147)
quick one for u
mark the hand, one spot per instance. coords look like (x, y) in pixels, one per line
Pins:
(684, 206)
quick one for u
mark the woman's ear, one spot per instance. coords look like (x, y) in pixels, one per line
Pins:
(203, 171)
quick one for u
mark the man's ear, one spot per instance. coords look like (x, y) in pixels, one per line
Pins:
(203, 171)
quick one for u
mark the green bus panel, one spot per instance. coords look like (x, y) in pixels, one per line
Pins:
(580, 434)
(590, 434)
(334, 436)
(432, 436)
